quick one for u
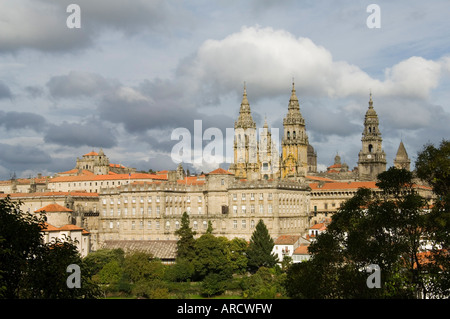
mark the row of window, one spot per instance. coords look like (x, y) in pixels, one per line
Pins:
(149, 199)
(157, 224)
(168, 211)
(243, 209)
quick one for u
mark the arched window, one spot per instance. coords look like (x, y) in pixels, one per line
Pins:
(293, 135)
(288, 135)
(370, 148)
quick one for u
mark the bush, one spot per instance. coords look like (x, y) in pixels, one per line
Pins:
(152, 289)
(213, 284)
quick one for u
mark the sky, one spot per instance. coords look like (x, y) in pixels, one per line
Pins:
(136, 72)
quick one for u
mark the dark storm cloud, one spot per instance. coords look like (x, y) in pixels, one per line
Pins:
(156, 105)
(22, 120)
(34, 91)
(42, 25)
(38, 25)
(26, 156)
(5, 92)
(91, 133)
(78, 84)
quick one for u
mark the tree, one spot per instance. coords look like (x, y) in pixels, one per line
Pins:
(22, 240)
(433, 166)
(259, 252)
(238, 255)
(212, 255)
(31, 268)
(372, 228)
(140, 265)
(264, 284)
(185, 243)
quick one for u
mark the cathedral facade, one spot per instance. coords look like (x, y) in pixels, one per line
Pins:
(259, 158)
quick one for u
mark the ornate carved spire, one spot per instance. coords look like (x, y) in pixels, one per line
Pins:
(245, 119)
(294, 116)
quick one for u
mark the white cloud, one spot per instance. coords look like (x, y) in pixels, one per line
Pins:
(268, 59)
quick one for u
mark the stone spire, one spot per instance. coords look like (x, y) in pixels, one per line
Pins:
(401, 159)
(245, 119)
(294, 116)
(371, 158)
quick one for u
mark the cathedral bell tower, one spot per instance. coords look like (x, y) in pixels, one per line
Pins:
(246, 164)
(295, 143)
(371, 158)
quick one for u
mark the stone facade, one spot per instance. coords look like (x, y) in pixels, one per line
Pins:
(255, 159)
(153, 211)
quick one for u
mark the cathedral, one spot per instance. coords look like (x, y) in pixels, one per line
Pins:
(256, 159)
(259, 159)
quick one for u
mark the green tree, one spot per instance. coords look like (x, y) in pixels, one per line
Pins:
(182, 270)
(22, 240)
(31, 268)
(384, 229)
(433, 166)
(111, 273)
(259, 252)
(139, 265)
(264, 284)
(98, 259)
(212, 255)
(185, 243)
(238, 255)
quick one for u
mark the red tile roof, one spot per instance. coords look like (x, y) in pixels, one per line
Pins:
(54, 208)
(220, 171)
(287, 240)
(69, 227)
(192, 180)
(343, 185)
(91, 154)
(319, 226)
(47, 227)
(106, 177)
(302, 250)
(49, 194)
(318, 178)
